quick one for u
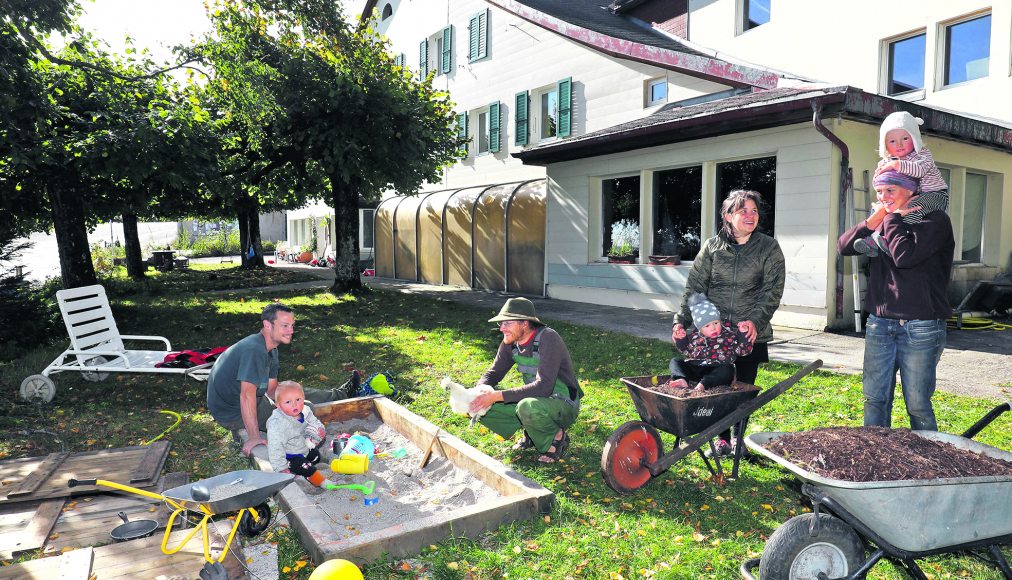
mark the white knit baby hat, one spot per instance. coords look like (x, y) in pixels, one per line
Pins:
(900, 120)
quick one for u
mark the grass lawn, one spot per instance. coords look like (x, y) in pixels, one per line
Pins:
(681, 525)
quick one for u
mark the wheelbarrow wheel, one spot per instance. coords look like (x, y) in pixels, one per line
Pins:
(95, 376)
(38, 388)
(251, 528)
(792, 552)
(627, 453)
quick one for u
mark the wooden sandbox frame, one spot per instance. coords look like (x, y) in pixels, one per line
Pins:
(520, 497)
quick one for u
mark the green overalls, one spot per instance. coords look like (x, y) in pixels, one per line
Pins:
(540, 417)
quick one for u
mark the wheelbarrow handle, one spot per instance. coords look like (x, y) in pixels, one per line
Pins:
(77, 482)
(987, 419)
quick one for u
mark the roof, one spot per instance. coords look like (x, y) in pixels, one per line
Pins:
(591, 23)
(760, 110)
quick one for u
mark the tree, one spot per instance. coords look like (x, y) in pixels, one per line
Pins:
(324, 106)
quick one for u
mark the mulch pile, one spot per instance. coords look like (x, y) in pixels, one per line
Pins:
(690, 393)
(881, 454)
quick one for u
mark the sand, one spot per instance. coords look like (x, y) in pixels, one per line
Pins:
(404, 492)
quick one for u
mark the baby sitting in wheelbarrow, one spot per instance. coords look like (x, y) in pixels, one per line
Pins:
(710, 350)
(290, 430)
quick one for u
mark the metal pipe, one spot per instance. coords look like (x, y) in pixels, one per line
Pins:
(845, 183)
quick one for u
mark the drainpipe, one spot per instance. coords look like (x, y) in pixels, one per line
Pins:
(845, 183)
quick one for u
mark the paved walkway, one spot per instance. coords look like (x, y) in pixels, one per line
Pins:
(975, 362)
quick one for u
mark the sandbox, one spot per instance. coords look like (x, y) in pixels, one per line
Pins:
(460, 492)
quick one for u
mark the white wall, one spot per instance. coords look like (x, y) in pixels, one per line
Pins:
(844, 43)
(523, 56)
(804, 210)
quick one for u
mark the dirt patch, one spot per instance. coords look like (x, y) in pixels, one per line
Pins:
(662, 386)
(881, 454)
(404, 491)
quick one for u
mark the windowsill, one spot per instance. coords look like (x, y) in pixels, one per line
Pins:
(656, 104)
(962, 84)
(910, 96)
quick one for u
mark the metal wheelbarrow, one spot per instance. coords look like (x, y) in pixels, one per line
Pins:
(211, 497)
(634, 453)
(903, 520)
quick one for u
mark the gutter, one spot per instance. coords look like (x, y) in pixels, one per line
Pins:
(846, 182)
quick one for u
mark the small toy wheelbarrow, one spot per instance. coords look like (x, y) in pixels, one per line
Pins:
(244, 490)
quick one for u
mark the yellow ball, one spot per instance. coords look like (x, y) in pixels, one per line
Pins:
(336, 570)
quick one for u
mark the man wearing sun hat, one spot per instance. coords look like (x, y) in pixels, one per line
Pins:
(548, 402)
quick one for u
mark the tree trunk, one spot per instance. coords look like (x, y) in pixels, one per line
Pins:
(76, 267)
(249, 233)
(240, 212)
(346, 274)
(132, 244)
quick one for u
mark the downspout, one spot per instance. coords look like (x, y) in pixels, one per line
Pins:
(846, 181)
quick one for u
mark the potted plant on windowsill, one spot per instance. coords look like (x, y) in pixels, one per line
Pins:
(668, 250)
(625, 242)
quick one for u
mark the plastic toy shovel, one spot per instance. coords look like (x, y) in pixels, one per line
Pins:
(366, 488)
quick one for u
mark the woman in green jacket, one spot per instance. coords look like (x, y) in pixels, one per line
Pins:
(742, 272)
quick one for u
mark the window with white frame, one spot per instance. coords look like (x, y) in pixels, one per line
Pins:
(477, 29)
(655, 92)
(481, 130)
(486, 133)
(905, 64)
(365, 242)
(620, 202)
(547, 102)
(757, 174)
(754, 13)
(967, 50)
(677, 208)
(974, 206)
(435, 53)
(544, 113)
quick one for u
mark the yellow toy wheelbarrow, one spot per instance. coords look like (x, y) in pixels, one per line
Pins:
(245, 491)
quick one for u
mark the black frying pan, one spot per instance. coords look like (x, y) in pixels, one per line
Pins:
(132, 530)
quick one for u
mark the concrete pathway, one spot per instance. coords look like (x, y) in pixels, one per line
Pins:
(977, 363)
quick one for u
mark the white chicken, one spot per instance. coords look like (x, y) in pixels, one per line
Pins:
(461, 397)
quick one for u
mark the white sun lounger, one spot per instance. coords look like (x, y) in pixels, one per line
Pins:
(97, 348)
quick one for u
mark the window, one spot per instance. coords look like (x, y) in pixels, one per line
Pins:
(553, 110)
(678, 201)
(548, 125)
(440, 58)
(423, 59)
(967, 50)
(656, 92)
(754, 13)
(620, 200)
(366, 243)
(906, 65)
(758, 174)
(399, 60)
(482, 127)
(388, 11)
(477, 48)
(974, 204)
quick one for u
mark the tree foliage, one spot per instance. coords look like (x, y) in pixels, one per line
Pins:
(325, 112)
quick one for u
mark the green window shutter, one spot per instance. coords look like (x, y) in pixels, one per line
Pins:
(446, 60)
(483, 34)
(462, 127)
(520, 116)
(472, 39)
(423, 59)
(493, 127)
(565, 89)
(399, 59)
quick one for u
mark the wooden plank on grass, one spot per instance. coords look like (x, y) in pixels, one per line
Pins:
(25, 526)
(143, 558)
(152, 462)
(42, 473)
(72, 565)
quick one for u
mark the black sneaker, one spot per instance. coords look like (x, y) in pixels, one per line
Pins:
(866, 247)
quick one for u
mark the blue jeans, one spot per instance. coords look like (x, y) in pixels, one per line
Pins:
(913, 347)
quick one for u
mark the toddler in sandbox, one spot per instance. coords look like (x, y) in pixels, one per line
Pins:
(710, 350)
(291, 429)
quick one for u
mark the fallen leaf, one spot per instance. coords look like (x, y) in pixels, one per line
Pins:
(300, 368)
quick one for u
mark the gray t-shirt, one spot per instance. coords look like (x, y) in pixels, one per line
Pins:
(246, 360)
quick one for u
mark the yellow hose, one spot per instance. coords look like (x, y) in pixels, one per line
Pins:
(179, 419)
(973, 323)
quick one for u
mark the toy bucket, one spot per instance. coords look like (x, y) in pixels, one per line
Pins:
(350, 463)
